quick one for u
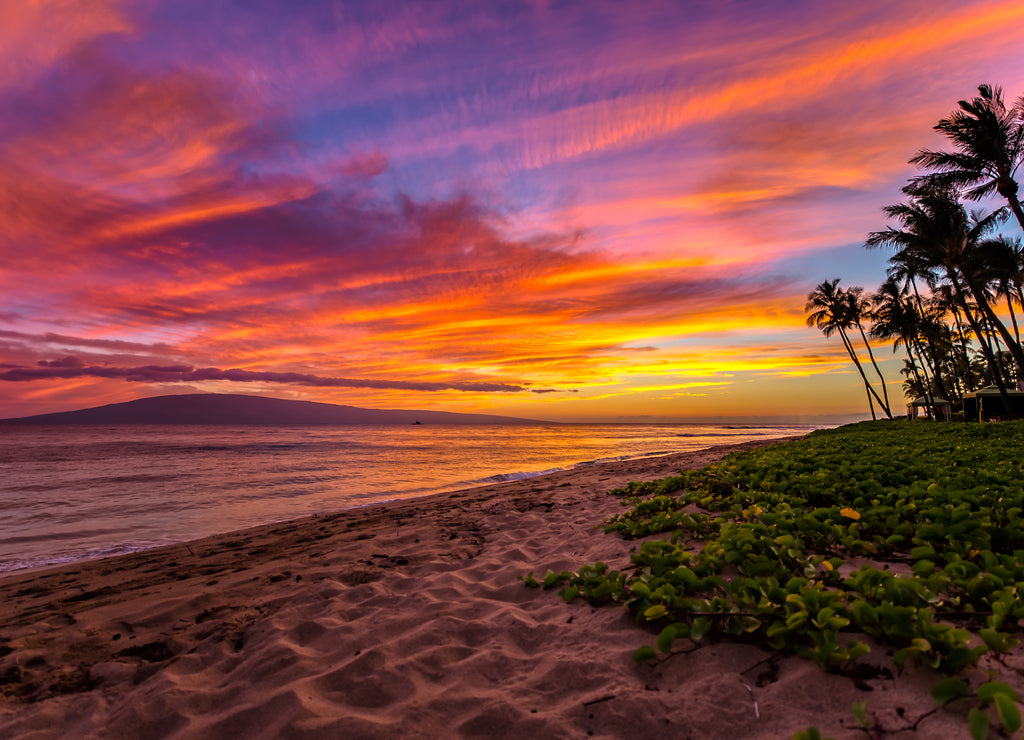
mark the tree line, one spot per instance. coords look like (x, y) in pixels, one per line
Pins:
(953, 284)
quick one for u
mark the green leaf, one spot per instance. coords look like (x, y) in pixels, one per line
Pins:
(644, 653)
(960, 657)
(686, 575)
(857, 649)
(924, 552)
(553, 579)
(751, 624)
(666, 638)
(997, 642)
(864, 614)
(920, 644)
(1009, 714)
(949, 689)
(638, 588)
(797, 619)
(701, 626)
(860, 713)
(655, 612)
(836, 623)
(979, 722)
(786, 540)
(987, 691)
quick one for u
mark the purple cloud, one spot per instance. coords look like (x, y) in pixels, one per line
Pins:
(72, 367)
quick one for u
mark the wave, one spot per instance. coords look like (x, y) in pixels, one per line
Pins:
(521, 475)
(75, 557)
(524, 474)
(724, 434)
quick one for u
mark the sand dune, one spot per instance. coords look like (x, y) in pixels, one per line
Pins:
(405, 620)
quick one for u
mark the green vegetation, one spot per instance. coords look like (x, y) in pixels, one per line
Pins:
(951, 275)
(910, 534)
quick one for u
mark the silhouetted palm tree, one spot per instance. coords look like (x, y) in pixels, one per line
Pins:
(1005, 268)
(942, 300)
(828, 308)
(988, 139)
(895, 317)
(938, 234)
(859, 308)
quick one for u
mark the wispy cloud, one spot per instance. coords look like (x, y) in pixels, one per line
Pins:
(474, 200)
(71, 367)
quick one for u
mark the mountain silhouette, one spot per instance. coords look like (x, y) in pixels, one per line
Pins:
(221, 408)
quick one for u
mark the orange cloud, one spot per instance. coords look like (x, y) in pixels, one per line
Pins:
(34, 35)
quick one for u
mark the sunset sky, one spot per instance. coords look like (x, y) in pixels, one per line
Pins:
(558, 210)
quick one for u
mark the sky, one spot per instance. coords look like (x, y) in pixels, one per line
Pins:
(575, 211)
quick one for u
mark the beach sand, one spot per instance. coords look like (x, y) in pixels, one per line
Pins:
(404, 620)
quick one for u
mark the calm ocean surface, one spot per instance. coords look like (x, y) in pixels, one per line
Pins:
(72, 493)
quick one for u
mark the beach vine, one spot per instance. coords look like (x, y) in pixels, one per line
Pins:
(907, 533)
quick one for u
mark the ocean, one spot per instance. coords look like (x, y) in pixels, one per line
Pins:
(70, 493)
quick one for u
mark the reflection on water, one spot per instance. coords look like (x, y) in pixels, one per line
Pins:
(68, 493)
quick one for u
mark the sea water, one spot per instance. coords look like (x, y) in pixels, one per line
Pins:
(72, 493)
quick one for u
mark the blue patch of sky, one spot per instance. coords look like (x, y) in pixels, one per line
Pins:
(851, 263)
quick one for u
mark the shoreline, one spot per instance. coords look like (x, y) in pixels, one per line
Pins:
(399, 619)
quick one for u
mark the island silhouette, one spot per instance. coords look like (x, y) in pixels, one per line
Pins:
(237, 409)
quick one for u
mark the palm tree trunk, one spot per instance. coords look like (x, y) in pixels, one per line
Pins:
(980, 333)
(999, 354)
(995, 367)
(1017, 369)
(885, 406)
(986, 308)
(1020, 293)
(856, 361)
(963, 347)
(1013, 316)
(926, 389)
(955, 369)
(933, 353)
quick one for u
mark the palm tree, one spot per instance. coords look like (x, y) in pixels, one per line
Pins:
(988, 139)
(896, 318)
(828, 308)
(1003, 259)
(942, 299)
(860, 308)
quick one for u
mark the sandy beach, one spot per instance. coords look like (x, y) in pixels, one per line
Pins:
(404, 620)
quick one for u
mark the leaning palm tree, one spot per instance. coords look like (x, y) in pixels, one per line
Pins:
(860, 308)
(828, 308)
(988, 142)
